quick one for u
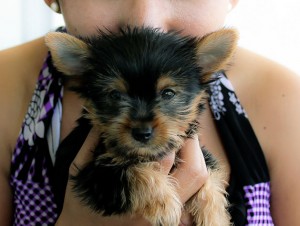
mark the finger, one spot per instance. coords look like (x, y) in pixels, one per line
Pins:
(186, 219)
(85, 153)
(167, 162)
(191, 172)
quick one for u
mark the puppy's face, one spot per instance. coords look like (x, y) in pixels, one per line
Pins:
(142, 87)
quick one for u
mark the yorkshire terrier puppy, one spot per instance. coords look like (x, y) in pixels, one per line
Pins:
(144, 90)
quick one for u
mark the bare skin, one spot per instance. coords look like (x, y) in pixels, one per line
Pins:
(269, 93)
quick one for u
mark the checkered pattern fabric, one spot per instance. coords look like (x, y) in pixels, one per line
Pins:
(258, 202)
(34, 204)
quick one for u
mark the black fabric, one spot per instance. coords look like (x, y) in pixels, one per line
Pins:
(65, 155)
(247, 162)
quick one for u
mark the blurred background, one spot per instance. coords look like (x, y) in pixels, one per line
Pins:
(269, 27)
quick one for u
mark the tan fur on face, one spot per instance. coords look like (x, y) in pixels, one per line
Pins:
(165, 129)
(165, 81)
(115, 82)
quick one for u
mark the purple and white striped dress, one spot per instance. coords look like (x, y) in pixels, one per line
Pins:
(34, 155)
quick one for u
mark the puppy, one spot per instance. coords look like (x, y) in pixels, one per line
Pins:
(143, 90)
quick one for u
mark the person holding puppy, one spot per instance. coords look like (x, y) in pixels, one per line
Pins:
(250, 123)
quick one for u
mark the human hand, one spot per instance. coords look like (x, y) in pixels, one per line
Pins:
(190, 174)
(74, 212)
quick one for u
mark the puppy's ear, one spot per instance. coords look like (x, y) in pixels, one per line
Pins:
(69, 53)
(215, 50)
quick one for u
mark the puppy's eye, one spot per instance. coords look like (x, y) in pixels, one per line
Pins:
(115, 95)
(167, 94)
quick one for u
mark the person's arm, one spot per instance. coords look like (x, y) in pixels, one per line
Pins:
(191, 175)
(7, 125)
(270, 94)
(19, 68)
(5, 190)
(282, 139)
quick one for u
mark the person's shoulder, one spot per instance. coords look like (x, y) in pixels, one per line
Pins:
(22, 62)
(261, 83)
(19, 69)
(270, 93)
(262, 75)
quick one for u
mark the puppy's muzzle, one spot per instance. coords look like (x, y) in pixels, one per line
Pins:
(142, 134)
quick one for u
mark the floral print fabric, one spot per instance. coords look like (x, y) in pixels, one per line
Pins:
(249, 188)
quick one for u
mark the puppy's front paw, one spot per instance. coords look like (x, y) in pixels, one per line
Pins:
(209, 205)
(154, 195)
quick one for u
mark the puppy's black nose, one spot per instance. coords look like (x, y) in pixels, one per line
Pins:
(142, 134)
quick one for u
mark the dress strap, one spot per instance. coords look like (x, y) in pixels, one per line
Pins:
(249, 185)
(65, 155)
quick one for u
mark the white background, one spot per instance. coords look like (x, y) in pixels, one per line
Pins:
(269, 27)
